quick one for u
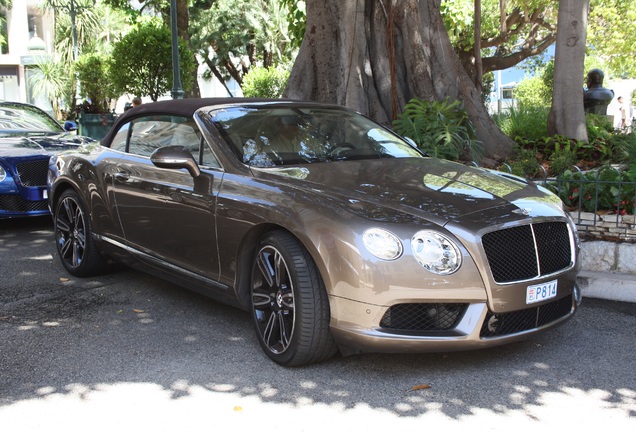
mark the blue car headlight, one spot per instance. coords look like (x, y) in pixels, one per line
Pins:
(3, 174)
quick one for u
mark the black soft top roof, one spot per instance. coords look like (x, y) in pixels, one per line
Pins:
(180, 107)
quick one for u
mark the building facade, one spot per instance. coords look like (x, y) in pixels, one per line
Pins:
(28, 33)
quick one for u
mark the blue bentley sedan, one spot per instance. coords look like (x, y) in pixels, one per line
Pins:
(28, 138)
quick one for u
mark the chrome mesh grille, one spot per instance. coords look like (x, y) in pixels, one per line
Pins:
(423, 316)
(15, 203)
(515, 322)
(33, 173)
(553, 244)
(512, 255)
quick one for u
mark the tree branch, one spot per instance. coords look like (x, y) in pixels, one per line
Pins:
(217, 74)
(500, 63)
(515, 25)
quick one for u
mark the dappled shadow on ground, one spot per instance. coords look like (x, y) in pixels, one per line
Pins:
(138, 331)
(195, 344)
(30, 270)
(13, 233)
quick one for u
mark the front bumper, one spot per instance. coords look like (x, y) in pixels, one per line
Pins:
(28, 202)
(477, 327)
(23, 198)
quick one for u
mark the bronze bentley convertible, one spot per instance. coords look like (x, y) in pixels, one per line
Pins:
(335, 233)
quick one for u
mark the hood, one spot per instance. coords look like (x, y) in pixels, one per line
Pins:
(39, 144)
(438, 190)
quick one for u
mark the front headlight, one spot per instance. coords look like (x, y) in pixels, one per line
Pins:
(382, 244)
(3, 174)
(436, 252)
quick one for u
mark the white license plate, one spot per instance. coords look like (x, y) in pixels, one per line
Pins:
(540, 292)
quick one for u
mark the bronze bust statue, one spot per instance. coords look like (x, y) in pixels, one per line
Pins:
(596, 98)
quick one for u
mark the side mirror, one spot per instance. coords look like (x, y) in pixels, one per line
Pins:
(70, 126)
(175, 157)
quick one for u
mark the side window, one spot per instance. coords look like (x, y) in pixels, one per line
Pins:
(119, 142)
(153, 132)
(149, 134)
(208, 159)
(188, 135)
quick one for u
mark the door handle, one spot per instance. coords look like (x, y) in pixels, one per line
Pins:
(122, 177)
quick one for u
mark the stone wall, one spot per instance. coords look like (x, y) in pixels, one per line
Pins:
(611, 227)
(608, 256)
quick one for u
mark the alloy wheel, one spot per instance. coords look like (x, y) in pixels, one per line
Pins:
(70, 232)
(273, 300)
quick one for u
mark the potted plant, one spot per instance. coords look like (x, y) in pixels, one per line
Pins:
(95, 115)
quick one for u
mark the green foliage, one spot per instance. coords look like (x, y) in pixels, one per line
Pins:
(525, 164)
(556, 154)
(51, 80)
(530, 23)
(297, 20)
(527, 125)
(236, 35)
(623, 148)
(598, 127)
(458, 20)
(605, 189)
(611, 32)
(274, 36)
(5, 5)
(265, 83)
(487, 86)
(525, 122)
(533, 92)
(95, 83)
(87, 26)
(142, 62)
(562, 155)
(547, 76)
(439, 128)
(559, 153)
(124, 7)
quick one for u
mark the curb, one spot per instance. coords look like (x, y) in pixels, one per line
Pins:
(608, 285)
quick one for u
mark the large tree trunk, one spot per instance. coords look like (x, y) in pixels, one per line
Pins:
(477, 79)
(347, 59)
(567, 116)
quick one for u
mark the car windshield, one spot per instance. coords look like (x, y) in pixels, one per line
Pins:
(26, 118)
(282, 135)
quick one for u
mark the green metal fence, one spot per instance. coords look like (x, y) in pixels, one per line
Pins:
(600, 201)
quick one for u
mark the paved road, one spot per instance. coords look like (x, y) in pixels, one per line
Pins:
(128, 351)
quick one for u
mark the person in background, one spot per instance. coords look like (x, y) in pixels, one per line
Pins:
(135, 102)
(623, 113)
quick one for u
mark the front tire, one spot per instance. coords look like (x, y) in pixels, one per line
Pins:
(289, 304)
(73, 237)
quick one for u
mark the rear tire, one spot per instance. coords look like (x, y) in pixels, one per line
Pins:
(289, 303)
(73, 237)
